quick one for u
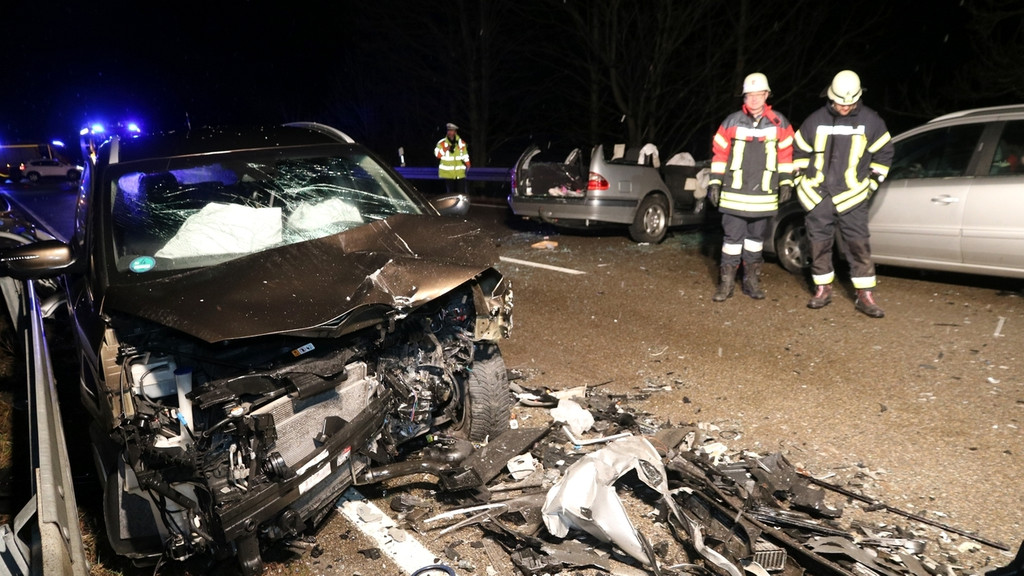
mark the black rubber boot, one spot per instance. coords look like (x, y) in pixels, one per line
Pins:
(866, 303)
(822, 296)
(727, 280)
(752, 280)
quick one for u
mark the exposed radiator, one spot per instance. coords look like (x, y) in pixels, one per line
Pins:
(299, 421)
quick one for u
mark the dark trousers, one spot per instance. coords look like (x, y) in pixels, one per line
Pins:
(744, 239)
(455, 186)
(822, 223)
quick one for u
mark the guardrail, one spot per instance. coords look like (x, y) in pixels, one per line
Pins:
(479, 174)
(49, 520)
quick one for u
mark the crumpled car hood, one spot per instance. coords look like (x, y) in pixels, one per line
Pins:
(400, 262)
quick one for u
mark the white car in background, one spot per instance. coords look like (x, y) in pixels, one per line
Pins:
(50, 168)
(953, 200)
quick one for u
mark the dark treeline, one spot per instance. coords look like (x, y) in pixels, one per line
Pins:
(556, 72)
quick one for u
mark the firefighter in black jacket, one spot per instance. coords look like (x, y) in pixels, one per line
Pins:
(842, 153)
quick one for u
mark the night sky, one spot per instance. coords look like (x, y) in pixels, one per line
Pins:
(71, 64)
(367, 69)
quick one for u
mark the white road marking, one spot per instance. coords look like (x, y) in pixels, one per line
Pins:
(410, 554)
(999, 327)
(538, 265)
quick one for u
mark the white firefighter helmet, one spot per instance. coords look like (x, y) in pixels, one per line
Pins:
(845, 88)
(756, 82)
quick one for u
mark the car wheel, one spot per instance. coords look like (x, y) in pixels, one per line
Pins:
(651, 220)
(73, 175)
(488, 404)
(33, 177)
(792, 247)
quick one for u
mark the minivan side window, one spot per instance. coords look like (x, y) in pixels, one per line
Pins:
(1007, 159)
(940, 153)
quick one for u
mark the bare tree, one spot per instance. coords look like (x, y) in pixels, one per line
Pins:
(996, 31)
(629, 64)
(966, 56)
(660, 71)
(666, 72)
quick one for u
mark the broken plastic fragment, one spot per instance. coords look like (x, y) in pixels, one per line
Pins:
(580, 442)
(585, 498)
(368, 514)
(521, 466)
(568, 393)
(573, 415)
(968, 547)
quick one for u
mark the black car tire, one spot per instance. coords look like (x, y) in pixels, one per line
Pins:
(651, 221)
(73, 175)
(33, 177)
(488, 401)
(792, 247)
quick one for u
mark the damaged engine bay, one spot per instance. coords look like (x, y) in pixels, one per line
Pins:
(233, 443)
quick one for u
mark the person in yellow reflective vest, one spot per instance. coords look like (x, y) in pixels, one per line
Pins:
(454, 156)
(752, 155)
(843, 152)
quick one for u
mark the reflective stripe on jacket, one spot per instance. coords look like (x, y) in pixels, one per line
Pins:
(853, 146)
(750, 159)
(454, 158)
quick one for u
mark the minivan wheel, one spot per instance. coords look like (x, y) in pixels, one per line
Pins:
(792, 247)
(488, 404)
(651, 220)
(73, 175)
(33, 176)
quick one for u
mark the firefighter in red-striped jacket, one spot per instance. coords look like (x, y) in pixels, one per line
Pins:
(752, 156)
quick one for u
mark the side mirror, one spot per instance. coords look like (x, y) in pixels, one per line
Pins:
(454, 205)
(43, 259)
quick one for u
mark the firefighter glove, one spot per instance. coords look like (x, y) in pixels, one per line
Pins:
(714, 191)
(875, 182)
(785, 193)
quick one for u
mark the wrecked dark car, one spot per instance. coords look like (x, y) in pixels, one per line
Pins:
(265, 318)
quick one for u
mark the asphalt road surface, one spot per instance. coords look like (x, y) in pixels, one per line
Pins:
(925, 405)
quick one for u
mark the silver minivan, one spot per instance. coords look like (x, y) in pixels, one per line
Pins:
(953, 201)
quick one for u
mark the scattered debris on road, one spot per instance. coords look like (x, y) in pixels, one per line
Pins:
(601, 486)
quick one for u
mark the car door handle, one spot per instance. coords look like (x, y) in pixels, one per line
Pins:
(945, 199)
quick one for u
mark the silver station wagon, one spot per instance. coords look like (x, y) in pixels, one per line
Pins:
(630, 188)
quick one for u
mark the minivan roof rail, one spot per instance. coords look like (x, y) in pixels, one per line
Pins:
(1012, 108)
(323, 129)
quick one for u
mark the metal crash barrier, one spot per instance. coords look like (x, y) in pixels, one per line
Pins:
(45, 537)
(477, 174)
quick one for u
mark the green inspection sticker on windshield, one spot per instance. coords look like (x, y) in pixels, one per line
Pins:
(142, 264)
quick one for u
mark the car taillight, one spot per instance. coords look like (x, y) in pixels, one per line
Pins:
(596, 182)
(22, 167)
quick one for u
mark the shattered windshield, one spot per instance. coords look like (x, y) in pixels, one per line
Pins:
(219, 208)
